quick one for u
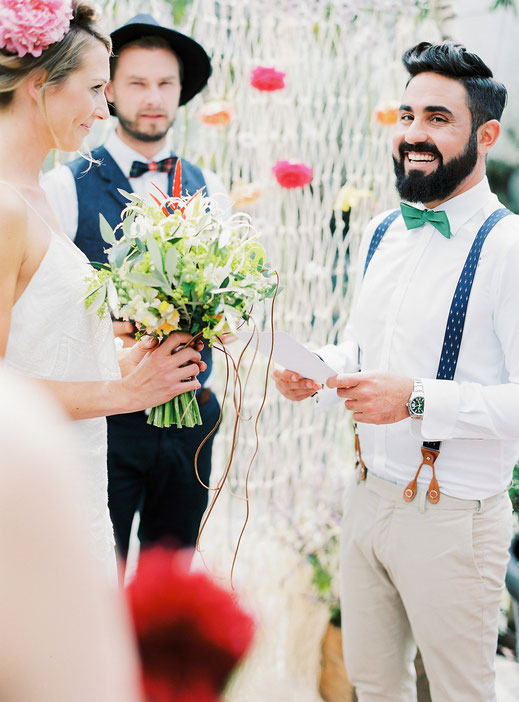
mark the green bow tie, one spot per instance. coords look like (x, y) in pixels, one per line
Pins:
(414, 217)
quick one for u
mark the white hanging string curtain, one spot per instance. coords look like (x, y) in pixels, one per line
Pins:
(341, 62)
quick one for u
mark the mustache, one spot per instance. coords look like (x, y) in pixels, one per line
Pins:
(423, 147)
(157, 113)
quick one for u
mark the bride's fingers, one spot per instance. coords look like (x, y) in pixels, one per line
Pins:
(186, 355)
(184, 386)
(188, 371)
(141, 348)
(175, 339)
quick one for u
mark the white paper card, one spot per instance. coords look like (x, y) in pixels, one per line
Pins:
(289, 353)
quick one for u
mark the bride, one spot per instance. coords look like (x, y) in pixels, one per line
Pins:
(53, 72)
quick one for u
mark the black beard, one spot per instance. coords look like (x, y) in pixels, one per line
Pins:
(415, 186)
(130, 129)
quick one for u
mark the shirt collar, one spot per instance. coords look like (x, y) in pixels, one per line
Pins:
(124, 155)
(463, 207)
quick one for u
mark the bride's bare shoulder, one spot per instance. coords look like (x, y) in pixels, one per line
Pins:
(13, 222)
(13, 229)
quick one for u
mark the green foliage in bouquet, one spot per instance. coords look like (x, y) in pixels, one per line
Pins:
(179, 264)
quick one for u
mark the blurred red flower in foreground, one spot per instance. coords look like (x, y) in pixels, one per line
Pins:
(268, 79)
(190, 632)
(290, 174)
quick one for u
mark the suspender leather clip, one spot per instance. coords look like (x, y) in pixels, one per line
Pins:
(363, 471)
(433, 493)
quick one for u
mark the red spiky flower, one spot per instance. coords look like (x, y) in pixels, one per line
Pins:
(177, 179)
(190, 632)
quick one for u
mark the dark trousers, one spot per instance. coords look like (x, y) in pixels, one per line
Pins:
(152, 470)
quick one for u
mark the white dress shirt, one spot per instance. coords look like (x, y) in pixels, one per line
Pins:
(398, 322)
(60, 186)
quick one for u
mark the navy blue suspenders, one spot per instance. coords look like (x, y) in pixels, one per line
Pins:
(452, 339)
(378, 236)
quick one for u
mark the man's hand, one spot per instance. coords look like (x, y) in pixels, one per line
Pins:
(374, 398)
(292, 386)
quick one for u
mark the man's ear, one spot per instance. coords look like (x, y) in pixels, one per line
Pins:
(487, 136)
(109, 92)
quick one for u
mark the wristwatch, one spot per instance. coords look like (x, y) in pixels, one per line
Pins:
(416, 402)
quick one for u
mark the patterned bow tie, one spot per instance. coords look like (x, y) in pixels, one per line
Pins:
(167, 165)
(414, 217)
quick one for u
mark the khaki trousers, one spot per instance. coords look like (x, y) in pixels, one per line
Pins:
(427, 575)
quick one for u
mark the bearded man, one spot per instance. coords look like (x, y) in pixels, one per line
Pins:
(429, 368)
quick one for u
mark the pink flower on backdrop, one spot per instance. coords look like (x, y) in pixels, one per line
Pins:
(267, 79)
(290, 174)
(30, 27)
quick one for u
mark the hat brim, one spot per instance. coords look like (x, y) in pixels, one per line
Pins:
(196, 63)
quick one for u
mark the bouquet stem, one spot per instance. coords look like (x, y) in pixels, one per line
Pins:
(182, 410)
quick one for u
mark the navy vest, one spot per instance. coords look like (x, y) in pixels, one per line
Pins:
(97, 191)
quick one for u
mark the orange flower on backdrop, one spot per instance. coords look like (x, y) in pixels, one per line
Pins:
(217, 113)
(245, 194)
(190, 632)
(267, 79)
(386, 113)
(292, 174)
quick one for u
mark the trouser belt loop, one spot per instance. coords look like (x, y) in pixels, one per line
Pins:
(480, 506)
(433, 493)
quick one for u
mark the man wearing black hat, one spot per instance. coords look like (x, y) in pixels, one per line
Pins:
(153, 70)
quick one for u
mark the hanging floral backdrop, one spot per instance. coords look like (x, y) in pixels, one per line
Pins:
(296, 121)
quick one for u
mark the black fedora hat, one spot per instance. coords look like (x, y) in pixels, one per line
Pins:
(196, 63)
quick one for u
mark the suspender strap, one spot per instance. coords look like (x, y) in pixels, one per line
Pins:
(452, 343)
(375, 241)
(458, 310)
(377, 236)
(460, 301)
(453, 334)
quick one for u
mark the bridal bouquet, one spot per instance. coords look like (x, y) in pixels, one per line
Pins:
(178, 264)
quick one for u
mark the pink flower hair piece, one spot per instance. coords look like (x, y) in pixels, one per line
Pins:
(31, 26)
(290, 174)
(267, 79)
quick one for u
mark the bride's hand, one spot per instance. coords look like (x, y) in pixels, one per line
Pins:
(154, 374)
(130, 356)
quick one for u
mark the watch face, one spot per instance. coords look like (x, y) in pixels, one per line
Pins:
(416, 405)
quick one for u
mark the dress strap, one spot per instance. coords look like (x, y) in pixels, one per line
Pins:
(4, 182)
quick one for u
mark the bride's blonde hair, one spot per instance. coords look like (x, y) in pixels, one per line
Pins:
(58, 60)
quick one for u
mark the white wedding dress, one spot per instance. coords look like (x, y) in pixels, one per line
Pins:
(51, 336)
